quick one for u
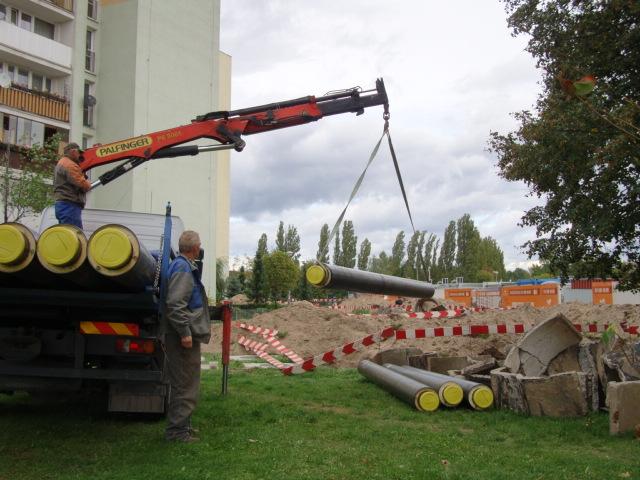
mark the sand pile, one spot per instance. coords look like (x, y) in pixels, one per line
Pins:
(311, 330)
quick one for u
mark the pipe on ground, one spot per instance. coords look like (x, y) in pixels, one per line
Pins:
(322, 275)
(115, 252)
(479, 396)
(449, 392)
(423, 398)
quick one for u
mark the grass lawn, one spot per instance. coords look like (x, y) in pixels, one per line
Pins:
(328, 424)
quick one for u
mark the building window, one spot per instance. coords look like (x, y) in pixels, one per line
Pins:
(45, 29)
(90, 58)
(9, 127)
(26, 21)
(88, 105)
(92, 9)
(3, 12)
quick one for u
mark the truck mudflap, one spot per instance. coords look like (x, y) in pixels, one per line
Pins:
(135, 397)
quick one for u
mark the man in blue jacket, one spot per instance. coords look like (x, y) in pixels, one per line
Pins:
(185, 326)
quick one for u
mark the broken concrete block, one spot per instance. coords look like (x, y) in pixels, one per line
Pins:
(567, 394)
(587, 360)
(396, 356)
(624, 406)
(565, 361)
(444, 364)
(533, 353)
(480, 367)
(420, 361)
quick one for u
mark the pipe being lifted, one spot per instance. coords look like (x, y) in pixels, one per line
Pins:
(479, 396)
(414, 393)
(331, 276)
(449, 392)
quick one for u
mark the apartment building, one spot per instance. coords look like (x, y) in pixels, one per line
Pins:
(101, 71)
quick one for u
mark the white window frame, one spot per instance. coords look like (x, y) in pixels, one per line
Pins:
(90, 51)
(92, 9)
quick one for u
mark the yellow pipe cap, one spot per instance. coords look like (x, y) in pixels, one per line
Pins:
(12, 244)
(110, 248)
(428, 401)
(482, 397)
(315, 274)
(59, 246)
(452, 394)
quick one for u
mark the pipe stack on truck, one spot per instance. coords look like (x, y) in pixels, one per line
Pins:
(80, 309)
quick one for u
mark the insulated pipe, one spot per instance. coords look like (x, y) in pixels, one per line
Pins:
(423, 398)
(62, 249)
(115, 252)
(331, 276)
(479, 396)
(449, 392)
(19, 265)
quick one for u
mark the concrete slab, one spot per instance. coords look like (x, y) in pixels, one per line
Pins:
(444, 364)
(623, 400)
(533, 353)
(396, 356)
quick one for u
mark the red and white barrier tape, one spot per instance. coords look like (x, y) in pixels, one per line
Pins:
(254, 347)
(430, 332)
(270, 336)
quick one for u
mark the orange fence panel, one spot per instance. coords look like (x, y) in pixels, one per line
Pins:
(602, 293)
(459, 295)
(545, 295)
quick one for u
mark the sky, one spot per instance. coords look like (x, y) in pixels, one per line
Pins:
(453, 73)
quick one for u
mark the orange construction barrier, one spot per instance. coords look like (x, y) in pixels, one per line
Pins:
(602, 292)
(545, 295)
(459, 295)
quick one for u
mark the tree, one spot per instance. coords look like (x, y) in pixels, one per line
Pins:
(541, 270)
(349, 245)
(258, 291)
(28, 190)
(304, 290)
(430, 255)
(579, 150)
(410, 266)
(337, 256)
(468, 262)
(363, 256)
(292, 243)
(234, 287)
(397, 255)
(281, 274)
(381, 264)
(323, 245)
(280, 243)
(448, 251)
(491, 258)
(517, 274)
(242, 279)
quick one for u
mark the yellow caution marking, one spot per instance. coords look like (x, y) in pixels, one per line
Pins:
(89, 328)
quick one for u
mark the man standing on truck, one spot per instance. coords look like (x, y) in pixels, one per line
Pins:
(70, 186)
(185, 326)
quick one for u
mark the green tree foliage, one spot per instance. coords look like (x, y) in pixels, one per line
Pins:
(363, 256)
(28, 190)
(258, 291)
(280, 242)
(281, 274)
(242, 278)
(431, 246)
(349, 245)
(541, 270)
(337, 254)
(397, 255)
(304, 290)
(517, 274)
(323, 245)
(410, 267)
(468, 261)
(292, 243)
(381, 264)
(234, 287)
(446, 265)
(579, 150)
(491, 259)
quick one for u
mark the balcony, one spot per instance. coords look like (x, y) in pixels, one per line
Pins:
(32, 49)
(35, 104)
(54, 11)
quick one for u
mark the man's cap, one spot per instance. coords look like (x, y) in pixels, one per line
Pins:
(72, 146)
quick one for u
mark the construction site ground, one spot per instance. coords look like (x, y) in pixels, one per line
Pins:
(311, 330)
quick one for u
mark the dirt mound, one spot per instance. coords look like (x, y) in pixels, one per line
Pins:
(311, 330)
(240, 299)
